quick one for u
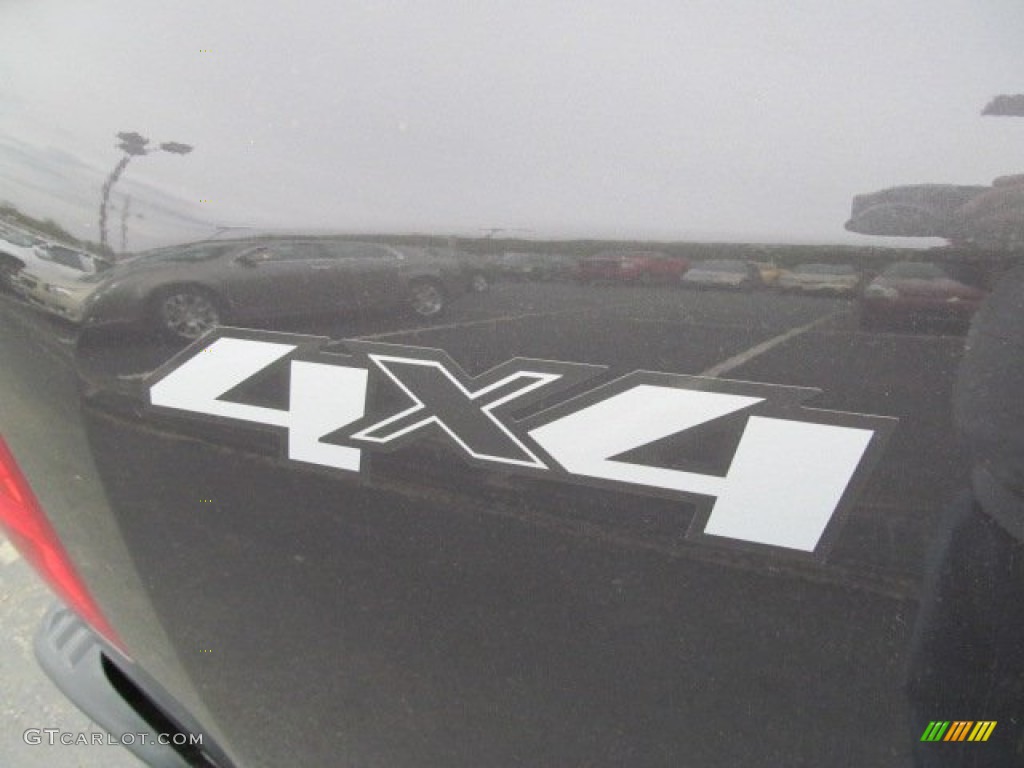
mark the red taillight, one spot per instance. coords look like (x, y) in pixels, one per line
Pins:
(32, 535)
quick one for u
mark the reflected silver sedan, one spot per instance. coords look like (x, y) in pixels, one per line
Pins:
(189, 290)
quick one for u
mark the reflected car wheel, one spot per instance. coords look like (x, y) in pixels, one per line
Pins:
(426, 298)
(187, 313)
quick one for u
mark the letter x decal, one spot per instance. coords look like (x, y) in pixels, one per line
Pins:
(441, 399)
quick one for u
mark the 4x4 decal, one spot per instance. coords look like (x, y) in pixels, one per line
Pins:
(790, 469)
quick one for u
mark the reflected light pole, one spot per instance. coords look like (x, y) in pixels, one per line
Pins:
(133, 145)
(125, 212)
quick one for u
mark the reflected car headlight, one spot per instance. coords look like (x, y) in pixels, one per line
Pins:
(102, 290)
(94, 297)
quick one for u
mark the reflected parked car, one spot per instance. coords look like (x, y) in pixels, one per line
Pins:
(478, 272)
(53, 277)
(16, 250)
(723, 273)
(186, 292)
(834, 279)
(521, 265)
(631, 267)
(913, 290)
(768, 270)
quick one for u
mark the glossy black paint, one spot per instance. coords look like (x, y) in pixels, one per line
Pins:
(430, 612)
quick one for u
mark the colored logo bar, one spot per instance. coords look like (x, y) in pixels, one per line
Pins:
(958, 730)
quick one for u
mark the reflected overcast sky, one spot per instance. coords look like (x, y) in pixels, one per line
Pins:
(751, 120)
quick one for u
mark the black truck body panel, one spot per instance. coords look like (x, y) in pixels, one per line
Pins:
(475, 592)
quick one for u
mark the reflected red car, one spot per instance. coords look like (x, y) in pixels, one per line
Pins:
(631, 267)
(911, 291)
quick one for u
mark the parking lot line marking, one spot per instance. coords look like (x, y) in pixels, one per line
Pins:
(745, 357)
(8, 554)
(482, 321)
